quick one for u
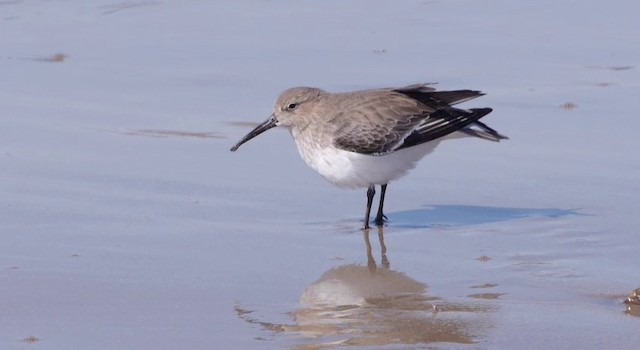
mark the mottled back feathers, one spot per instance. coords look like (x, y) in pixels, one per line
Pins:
(390, 120)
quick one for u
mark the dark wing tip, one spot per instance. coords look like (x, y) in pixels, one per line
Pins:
(481, 112)
(443, 122)
(485, 132)
(440, 99)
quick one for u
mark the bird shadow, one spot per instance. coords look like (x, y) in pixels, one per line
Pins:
(462, 215)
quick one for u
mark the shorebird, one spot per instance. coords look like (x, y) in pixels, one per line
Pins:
(371, 137)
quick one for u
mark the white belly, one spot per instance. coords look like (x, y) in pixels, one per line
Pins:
(349, 169)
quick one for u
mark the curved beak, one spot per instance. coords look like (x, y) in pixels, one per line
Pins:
(266, 125)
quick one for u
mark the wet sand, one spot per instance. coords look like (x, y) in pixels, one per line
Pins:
(127, 223)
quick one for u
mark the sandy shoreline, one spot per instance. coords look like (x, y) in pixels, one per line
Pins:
(127, 223)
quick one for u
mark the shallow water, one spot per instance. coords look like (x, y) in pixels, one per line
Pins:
(127, 223)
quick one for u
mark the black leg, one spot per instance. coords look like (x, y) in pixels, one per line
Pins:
(371, 191)
(381, 218)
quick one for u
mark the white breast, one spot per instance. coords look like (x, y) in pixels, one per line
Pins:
(350, 169)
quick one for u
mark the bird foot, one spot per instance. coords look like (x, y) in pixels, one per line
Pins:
(380, 220)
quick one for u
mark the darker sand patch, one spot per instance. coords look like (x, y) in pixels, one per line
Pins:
(126, 5)
(483, 258)
(10, 2)
(242, 124)
(486, 285)
(613, 68)
(486, 296)
(55, 58)
(171, 133)
(30, 339)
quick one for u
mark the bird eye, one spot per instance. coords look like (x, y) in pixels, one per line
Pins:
(292, 106)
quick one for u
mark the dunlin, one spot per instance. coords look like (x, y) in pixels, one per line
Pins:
(370, 137)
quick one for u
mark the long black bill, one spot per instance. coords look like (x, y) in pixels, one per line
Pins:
(266, 125)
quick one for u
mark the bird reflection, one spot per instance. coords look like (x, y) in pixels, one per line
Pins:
(371, 262)
(373, 305)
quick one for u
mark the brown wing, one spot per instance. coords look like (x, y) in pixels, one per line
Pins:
(389, 120)
(376, 122)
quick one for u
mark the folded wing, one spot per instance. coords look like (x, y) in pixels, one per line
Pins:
(405, 117)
